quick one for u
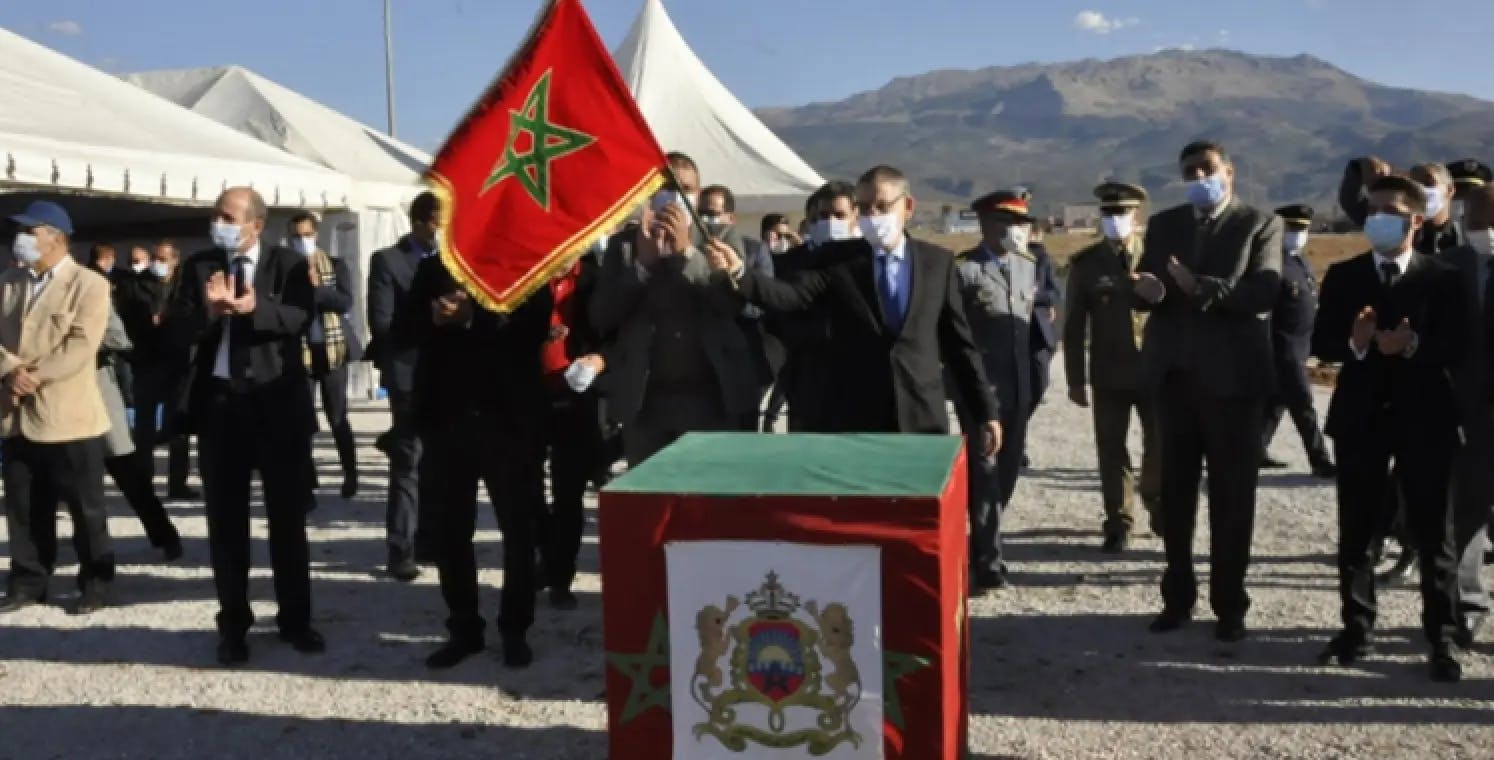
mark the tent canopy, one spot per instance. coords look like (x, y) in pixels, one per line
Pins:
(72, 128)
(386, 172)
(689, 110)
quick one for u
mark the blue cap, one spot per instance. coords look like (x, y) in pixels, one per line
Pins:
(45, 213)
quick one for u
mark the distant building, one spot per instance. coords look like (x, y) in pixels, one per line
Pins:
(959, 222)
(1081, 216)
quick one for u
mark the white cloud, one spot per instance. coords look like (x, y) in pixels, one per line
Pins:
(66, 28)
(1096, 22)
(1224, 35)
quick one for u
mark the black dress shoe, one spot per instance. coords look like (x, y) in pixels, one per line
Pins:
(1170, 620)
(1346, 649)
(350, 486)
(562, 599)
(1325, 470)
(17, 602)
(983, 581)
(516, 652)
(93, 599)
(1468, 632)
(1267, 463)
(384, 442)
(403, 570)
(1229, 631)
(1115, 543)
(306, 641)
(183, 494)
(1445, 666)
(452, 654)
(171, 548)
(231, 652)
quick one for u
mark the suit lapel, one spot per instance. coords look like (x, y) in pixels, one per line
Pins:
(63, 275)
(863, 271)
(919, 270)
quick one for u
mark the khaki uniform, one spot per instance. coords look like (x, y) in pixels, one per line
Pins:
(1099, 322)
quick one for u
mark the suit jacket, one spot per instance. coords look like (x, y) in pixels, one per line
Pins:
(139, 298)
(59, 336)
(1221, 333)
(272, 334)
(1048, 296)
(338, 299)
(1416, 391)
(881, 380)
(618, 308)
(999, 303)
(1473, 484)
(393, 348)
(1429, 240)
(489, 369)
(1100, 318)
(805, 337)
(760, 347)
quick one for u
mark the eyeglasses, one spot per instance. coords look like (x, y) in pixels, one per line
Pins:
(879, 207)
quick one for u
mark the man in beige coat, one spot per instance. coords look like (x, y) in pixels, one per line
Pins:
(52, 318)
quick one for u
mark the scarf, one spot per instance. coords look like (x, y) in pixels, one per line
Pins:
(332, 339)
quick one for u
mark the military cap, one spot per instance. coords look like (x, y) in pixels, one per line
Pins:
(1470, 173)
(1009, 202)
(1116, 194)
(1298, 215)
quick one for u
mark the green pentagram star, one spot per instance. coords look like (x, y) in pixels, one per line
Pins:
(639, 668)
(895, 665)
(549, 142)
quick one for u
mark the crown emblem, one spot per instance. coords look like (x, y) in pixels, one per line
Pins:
(771, 600)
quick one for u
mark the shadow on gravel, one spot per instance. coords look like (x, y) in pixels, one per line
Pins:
(1110, 668)
(167, 733)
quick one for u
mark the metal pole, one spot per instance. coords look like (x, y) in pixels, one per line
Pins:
(389, 64)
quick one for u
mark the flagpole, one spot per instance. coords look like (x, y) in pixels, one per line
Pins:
(705, 234)
(389, 64)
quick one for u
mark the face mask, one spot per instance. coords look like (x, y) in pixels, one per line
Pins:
(304, 245)
(1117, 226)
(826, 230)
(140, 267)
(1294, 240)
(883, 230)
(779, 246)
(160, 269)
(1482, 241)
(580, 376)
(226, 236)
(1436, 201)
(26, 250)
(1016, 239)
(1208, 192)
(1386, 232)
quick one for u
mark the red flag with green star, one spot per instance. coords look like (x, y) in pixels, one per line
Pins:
(553, 155)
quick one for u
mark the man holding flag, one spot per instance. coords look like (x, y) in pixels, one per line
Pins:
(551, 157)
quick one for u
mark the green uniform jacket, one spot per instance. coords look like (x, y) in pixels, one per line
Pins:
(1098, 316)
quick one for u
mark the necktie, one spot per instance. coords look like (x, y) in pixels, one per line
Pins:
(238, 327)
(892, 306)
(1389, 273)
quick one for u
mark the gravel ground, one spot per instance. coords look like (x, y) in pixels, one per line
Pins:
(1062, 667)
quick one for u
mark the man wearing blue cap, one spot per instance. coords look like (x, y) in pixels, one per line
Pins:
(52, 417)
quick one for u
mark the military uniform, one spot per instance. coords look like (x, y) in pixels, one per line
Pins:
(1468, 175)
(999, 291)
(1291, 342)
(1100, 325)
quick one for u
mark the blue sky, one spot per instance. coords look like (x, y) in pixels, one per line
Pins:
(780, 52)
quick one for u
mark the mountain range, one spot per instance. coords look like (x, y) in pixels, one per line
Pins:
(1289, 123)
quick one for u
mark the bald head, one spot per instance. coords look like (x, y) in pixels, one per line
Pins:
(242, 208)
(1480, 209)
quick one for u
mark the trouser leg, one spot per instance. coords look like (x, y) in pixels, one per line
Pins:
(1181, 434)
(134, 484)
(1111, 412)
(30, 519)
(227, 453)
(1231, 443)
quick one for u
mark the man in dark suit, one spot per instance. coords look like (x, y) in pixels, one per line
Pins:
(1291, 342)
(1395, 319)
(243, 307)
(894, 307)
(395, 351)
(1472, 487)
(1210, 276)
(718, 211)
(331, 344)
(481, 406)
(682, 364)
(159, 363)
(1439, 233)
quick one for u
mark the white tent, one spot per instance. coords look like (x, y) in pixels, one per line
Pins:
(71, 128)
(385, 173)
(689, 110)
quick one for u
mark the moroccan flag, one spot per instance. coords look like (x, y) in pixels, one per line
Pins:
(553, 155)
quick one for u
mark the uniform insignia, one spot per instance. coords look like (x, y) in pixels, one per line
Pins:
(775, 657)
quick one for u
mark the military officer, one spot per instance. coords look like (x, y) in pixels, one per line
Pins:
(1099, 322)
(1468, 175)
(998, 282)
(1291, 340)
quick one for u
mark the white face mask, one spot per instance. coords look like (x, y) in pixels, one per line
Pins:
(1294, 241)
(1117, 226)
(779, 246)
(26, 249)
(1016, 238)
(139, 267)
(826, 230)
(883, 230)
(1482, 241)
(160, 269)
(226, 236)
(1436, 201)
(304, 245)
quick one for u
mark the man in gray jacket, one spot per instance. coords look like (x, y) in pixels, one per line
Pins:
(679, 362)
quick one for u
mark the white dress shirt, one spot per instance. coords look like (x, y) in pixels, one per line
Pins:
(221, 369)
(1402, 261)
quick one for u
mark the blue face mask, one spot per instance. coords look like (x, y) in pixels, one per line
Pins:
(1208, 192)
(1386, 232)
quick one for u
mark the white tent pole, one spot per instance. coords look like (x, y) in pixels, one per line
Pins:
(389, 64)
